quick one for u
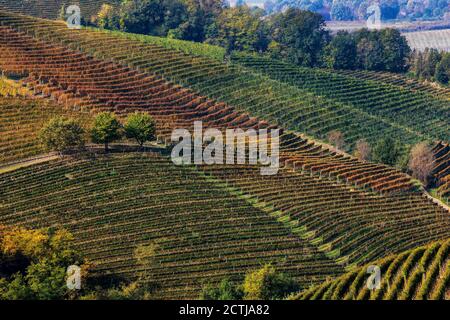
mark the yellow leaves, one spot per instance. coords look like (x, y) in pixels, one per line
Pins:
(60, 239)
(10, 88)
(144, 253)
(104, 11)
(32, 243)
(254, 282)
(28, 242)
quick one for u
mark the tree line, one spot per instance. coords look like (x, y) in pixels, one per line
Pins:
(431, 65)
(345, 10)
(295, 35)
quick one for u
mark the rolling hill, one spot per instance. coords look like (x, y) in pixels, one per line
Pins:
(324, 214)
(93, 83)
(291, 107)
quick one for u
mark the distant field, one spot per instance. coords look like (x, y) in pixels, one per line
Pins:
(420, 35)
(439, 39)
(405, 26)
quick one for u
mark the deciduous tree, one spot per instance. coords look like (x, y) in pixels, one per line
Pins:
(421, 162)
(336, 138)
(387, 151)
(106, 129)
(363, 150)
(62, 134)
(141, 127)
(267, 284)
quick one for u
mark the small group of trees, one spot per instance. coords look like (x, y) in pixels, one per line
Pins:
(431, 65)
(375, 50)
(35, 265)
(265, 283)
(64, 134)
(417, 160)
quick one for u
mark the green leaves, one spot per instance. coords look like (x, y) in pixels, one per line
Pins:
(141, 127)
(33, 263)
(62, 134)
(106, 129)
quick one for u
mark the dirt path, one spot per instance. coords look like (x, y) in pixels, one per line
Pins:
(437, 201)
(27, 162)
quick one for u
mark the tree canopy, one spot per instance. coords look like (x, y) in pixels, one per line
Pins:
(62, 134)
(141, 127)
(34, 264)
(106, 129)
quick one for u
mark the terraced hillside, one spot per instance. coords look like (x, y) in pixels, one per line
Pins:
(420, 274)
(116, 203)
(351, 226)
(423, 115)
(441, 170)
(287, 106)
(399, 80)
(21, 117)
(20, 121)
(323, 213)
(51, 9)
(81, 81)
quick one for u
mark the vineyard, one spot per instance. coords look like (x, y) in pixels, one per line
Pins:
(114, 204)
(441, 170)
(279, 103)
(83, 82)
(51, 9)
(350, 226)
(20, 121)
(420, 40)
(420, 274)
(322, 219)
(392, 104)
(400, 81)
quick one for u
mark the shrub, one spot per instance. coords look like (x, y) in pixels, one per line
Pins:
(336, 138)
(387, 151)
(363, 150)
(267, 284)
(225, 290)
(421, 162)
